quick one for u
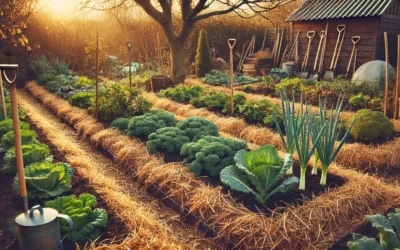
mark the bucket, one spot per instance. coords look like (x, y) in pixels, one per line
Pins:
(289, 68)
(38, 229)
(249, 66)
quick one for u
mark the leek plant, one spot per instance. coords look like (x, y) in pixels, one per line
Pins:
(288, 113)
(315, 166)
(306, 142)
(325, 143)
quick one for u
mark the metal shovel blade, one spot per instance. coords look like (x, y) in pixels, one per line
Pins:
(304, 74)
(314, 76)
(329, 76)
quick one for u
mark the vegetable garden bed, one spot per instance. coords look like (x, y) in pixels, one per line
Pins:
(365, 158)
(315, 223)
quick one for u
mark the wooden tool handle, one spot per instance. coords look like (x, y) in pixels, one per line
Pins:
(231, 42)
(355, 39)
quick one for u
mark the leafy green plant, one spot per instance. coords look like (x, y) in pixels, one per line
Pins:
(84, 81)
(259, 172)
(60, 66)
(87, 221)
(42, 65)
(7, 126)
(21, 112)
(370, 126)
(61, 81)
(31, 153)
(238, 100)
(181, 93)
(170, 139)
(46, 179)
(360, 100)
(196, 128)
(217, 78)
(150, 122)
(212, 101)
(7, 140)
(296, 85)
(258, 111)
(121, 123)
(325, 150)
(388, 229)
(45, 78)
(211, 154)
(203, 57)
(81, 99)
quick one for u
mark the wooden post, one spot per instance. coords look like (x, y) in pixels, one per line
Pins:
(387, 73)
(231, 43)
(3, 101)
(97, 74)
(396, 97)
(17, 133)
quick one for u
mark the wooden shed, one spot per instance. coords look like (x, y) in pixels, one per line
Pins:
(366, 18)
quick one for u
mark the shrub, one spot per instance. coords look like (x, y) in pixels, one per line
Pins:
(196, 128)
(60, 66)
(170, 139)
(150, 122)
(84, 81)
(46, 179)
(211, 101)
(31, 153)
(238, 99)
(359, 100)
(7, 125)
(7, 140)
(248, 89)
(87, 221)
(81, 99)
(61, 81)
(116, 101)
(45, 78)
(203, 56)
(42, 66)
(121, 123)
(370, 126)
(292, 84)
(211, 154)
(181, 93)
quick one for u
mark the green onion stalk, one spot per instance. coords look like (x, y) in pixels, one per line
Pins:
(326, 142)
(315, 166)
(288, 113)
(304, 136)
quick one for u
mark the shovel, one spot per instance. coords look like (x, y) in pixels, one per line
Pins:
(304, 73)
(315, 74)
(330, 75)
(355, 40)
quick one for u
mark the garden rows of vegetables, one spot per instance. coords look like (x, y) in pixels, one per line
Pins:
(205, 152)
(221, 218)
(46, 180)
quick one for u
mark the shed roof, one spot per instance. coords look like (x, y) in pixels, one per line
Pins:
(328, 9)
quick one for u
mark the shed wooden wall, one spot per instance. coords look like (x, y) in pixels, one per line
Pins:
(390, 22)
(367, 28)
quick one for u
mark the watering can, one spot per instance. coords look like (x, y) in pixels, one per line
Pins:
(38, 229)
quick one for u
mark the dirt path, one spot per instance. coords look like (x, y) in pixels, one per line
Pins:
(141, 212)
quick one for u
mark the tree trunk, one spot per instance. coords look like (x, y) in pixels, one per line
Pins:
(177, 60)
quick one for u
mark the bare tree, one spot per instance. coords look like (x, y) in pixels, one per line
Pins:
(187, 12)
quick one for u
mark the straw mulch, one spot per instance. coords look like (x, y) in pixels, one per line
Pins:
(147, 231)
(277, 101)
(315, 224)
(365, 158)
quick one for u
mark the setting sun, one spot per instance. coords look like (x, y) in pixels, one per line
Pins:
(59, 8)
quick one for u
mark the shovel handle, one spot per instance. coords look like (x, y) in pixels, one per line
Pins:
(341, 28)
(355, 39)
(322, 34)
(8, 79)
(311, 34)
(231, 42)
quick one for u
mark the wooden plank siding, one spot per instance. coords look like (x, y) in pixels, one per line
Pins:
(390, 22)
(367, 28)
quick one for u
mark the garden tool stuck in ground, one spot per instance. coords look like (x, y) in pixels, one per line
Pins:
(355, 40)
(304, 73)
(330, 75)
(315, 73)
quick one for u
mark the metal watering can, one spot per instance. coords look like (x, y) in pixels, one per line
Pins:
(38, 229)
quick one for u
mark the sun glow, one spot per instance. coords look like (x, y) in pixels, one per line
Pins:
(59, 8)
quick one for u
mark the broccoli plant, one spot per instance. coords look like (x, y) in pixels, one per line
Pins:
(7, 140)
(196, 128)
(259, 172)
(87, 221)
(148, 123)
(211, 154)
(170, 139)
(388, 229)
